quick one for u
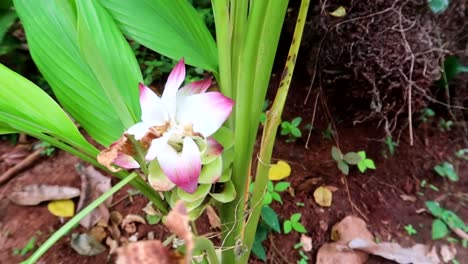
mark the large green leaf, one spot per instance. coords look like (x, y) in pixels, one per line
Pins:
(110, 57)
(24, 107)
(172, 28)
(7, 17)
(51, 31)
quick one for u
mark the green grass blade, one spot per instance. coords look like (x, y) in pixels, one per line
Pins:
(172, 28)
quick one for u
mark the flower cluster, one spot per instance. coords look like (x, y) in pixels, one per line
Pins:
(174, 133)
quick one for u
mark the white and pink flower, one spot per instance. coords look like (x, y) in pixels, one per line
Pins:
(171, 126)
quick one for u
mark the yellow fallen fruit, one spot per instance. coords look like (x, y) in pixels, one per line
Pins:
(62, 208)
(339, 12)
(279, 171)
(323, 196)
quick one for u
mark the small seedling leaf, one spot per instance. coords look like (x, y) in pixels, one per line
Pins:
(343, 167)
(295, 217)
(276, 197)
(259, 251)
(62, 208)
(287, 227)
(434, 208)
(439, 229)
(282, 186)
(438, 6)
(296, 132)
(153, 219)
(267, 199)
(336, 154)
(279, 171)
(270, 218)
(352, 158)
(323, 196)
(370, 164)
(298, 227)
(296, 121)
(339, 12)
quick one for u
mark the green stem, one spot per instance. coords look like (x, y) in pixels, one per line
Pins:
(76, 219)
(204, 244)
(269, 133)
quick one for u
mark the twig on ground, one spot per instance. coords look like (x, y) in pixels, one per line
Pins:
(28, 161)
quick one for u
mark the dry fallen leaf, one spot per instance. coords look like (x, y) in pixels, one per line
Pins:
(323, 196)
(334, 253)
(62, 208)
(306, 242)
(36, 193)
(86, 245)
(448, 253)
(93, 185)
(152, 251)
(418, 254)
(146, 252)
(349, 228)
(408, 198)
(98, 232)
(339, 12)
(213, 218)
(279, 171)
(129, 223)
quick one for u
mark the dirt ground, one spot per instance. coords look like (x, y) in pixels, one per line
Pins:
(375, 194)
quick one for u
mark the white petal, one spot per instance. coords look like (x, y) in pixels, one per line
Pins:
(153, 111)
(206, 112)
(174, 81)
(138, 130)
(182, 168)
(157, 146)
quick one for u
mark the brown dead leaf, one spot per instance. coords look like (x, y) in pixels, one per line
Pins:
(16, 155)
(177, 221)
(349, 228)
(146, 252)
(448, 253)
(112, 244)
(333, 253)
(98, 232)
(306, 242)
(93, 185)
(418, 254)
(213, 218)
(129, 223)
(408, 198)
(332, 188)
(36, 193)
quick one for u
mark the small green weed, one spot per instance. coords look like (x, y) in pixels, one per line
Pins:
(291, 129)
(391, 145)
(410, 230)
(294, 223)
(28, 247)
(445, 125)
(446, 169)
(328, 133)
(445, 220)
(426, 114)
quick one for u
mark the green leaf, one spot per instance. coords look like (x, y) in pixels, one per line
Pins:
(259, 251)
(296, 132)
(362, 167)
(24, 107)
(172, 28)
(287, 227)
(438, 6)
(7, 18)
(227, 194)
(267, 199)
(343, 167)
(211, 172)
(111, 59)
(270, 218)
(453, 220)
(352, 158)
(296, 121)
(282, 186)
(153, 219)
(295, 217)
(369, 164)
(434, 208)
(336, 154)
(439, 229)
(277, 197)
(53, 43)
(299, 227)
(225, 137)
